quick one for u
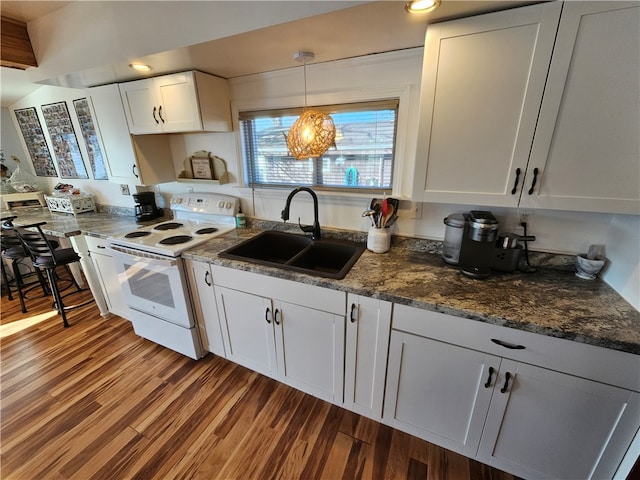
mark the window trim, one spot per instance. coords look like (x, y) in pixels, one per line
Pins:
(405, 135)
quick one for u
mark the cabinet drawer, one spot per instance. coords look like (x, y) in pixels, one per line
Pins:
(608, 366)
(95, 244)
(297, 293)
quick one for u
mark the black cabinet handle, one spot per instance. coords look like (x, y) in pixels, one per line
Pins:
(275, 316)
(515, 185)
(488, 384)
(154, 116)
(206, 278)
(535, 179)
(101, 247)
(510, 346)
(267, 314)
(133, 170)
(507, 377)
(353, 311)
(160, 113)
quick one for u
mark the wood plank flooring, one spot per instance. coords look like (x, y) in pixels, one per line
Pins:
(96, 401)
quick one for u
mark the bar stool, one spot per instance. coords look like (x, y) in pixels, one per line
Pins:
(14, 252)
(47, 258)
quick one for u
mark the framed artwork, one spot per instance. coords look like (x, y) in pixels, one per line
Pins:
(37, 147)
(96, 159)
(64, 141)
(201, 167)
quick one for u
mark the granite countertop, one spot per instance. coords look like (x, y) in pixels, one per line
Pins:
(552, 301)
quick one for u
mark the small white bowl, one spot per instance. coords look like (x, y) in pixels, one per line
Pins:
(586, 268)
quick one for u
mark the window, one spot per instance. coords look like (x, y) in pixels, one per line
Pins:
(362, 159)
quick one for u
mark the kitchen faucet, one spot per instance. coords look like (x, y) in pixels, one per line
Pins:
(315, 228)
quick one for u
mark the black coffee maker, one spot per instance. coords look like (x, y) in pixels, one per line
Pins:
(146, 208)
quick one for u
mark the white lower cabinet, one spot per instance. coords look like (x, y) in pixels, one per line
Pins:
(436, 391)
(494, 405)
(287, 330)
(367, 344)
(204, 306)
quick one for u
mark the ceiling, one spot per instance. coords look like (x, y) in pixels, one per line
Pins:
(374, 27)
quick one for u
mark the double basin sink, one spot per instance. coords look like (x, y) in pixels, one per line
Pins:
(328, 258)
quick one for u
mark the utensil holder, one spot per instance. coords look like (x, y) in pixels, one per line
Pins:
(378, 240)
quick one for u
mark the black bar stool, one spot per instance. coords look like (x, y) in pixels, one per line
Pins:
(14, 252)
(45, 257)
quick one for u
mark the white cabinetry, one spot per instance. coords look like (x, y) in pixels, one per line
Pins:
(482, 84)
(492, 132)
(586, 145)
(537, 407)
(140, 160)
(367, 343)
(287, 330)
(100, 270)
(204, 306)
(180, 102)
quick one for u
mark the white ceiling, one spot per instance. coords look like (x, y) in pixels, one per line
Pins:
(375, 27)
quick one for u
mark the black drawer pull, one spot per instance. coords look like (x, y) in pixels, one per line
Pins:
(515, 185)
(507, 345)
(488, 384)
(160, 114)
(154, 116)
(267, 314)
(535, 179)
(275, 316)
(206, 278)
(507, 377)
(352, 316)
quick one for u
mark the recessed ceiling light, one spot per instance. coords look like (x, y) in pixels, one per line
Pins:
(421, 6)
(140, 67)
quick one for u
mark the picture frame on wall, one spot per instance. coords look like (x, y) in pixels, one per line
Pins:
(64, 140)
(34, 139)
(87, 127)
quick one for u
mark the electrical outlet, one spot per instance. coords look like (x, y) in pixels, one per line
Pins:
(415, 212)
(526, 216)
(124, 189)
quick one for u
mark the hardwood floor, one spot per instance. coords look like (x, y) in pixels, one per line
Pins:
(97, 401)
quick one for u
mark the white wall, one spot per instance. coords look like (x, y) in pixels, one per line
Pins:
(378, 76)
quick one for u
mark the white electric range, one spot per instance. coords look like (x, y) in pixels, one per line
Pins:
(152, 273)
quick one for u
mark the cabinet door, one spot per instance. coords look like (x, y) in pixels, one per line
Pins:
(439, 392)
(141, 106)
(246, 322)
(178, 108)
(310, 350)
(204, 303)
(552, 425)
(106, 270)
(586, 147)
(482, 85)
(367, 345)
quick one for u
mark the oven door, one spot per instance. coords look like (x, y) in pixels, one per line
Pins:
(153, 284)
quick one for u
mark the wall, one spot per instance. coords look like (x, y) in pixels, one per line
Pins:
(10, 144)
(380, 76)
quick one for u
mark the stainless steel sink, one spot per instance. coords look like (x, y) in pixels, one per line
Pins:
(328, 258)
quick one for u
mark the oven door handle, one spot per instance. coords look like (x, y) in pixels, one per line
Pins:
(147, 257)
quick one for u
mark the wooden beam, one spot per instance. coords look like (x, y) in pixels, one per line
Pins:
(15, 45)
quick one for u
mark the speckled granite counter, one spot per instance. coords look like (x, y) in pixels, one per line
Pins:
(549, 302)
(100, 224)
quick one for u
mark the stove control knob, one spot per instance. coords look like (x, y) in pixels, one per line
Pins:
(221, 204)
(228, 205)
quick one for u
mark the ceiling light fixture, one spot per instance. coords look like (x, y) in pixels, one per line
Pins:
(140, 67)
(421, 6)
(313, 132)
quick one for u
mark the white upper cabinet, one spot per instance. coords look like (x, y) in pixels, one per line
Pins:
(483, 81)
(141, 160)
(180, 102)
(586, 145)
(507, 118)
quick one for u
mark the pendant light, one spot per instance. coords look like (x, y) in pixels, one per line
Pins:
(313, 132)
